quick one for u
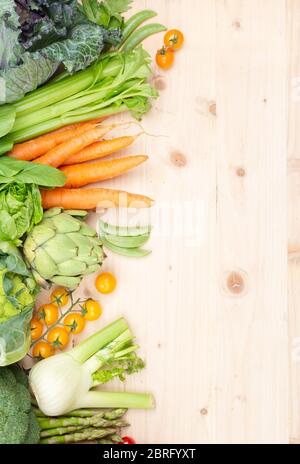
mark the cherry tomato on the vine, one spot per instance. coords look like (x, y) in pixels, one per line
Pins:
(74, 323)
(165, 58)
(127, 441)
(60, 296)
(58, 337)
(48, 313)
(106, 283)
(36, 328)
(42, 350)
(91, 310)
(174, 39)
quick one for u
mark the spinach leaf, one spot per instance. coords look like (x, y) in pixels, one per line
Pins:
(12, 170)
(107, 13)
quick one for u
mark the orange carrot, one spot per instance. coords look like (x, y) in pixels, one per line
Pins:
(101, 149)
(57, 156)
(32, 149)
(93, 198)
(79, 175)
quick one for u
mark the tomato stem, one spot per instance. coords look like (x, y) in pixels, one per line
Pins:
(73, 303)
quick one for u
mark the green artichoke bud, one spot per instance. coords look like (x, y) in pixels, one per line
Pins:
(63, 248)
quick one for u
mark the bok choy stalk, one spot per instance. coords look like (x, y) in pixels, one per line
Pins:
(116, 83)
(65, 381)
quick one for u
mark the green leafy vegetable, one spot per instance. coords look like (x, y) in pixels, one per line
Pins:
(83, 46)
(106, 13)
(36, 36)
(18, 290)
(34, 70)
(18, 423)
(12, 170)
(20, 209)
(20, 198)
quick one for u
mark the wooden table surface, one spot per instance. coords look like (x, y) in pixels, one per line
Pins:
(216, 306)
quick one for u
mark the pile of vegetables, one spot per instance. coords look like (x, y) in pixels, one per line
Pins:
(65, 67)
(37, 36)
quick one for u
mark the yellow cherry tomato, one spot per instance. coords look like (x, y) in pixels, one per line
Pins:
(36, 328)
(42, 350)
(174, 39)
(60, 296)
(48, 313)
(106, 283)
(74, 323)
(91, 310)
(58, 337)
(165, 58)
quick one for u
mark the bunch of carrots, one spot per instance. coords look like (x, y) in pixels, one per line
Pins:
(71, 149)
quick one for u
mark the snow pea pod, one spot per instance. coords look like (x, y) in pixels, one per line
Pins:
(123, 231)
(128, 242)
(135, 21)
(141, 34)
(129, 252)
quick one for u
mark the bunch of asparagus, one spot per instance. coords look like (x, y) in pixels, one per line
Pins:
(82, 425)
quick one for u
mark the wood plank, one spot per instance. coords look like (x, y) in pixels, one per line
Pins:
(293, 34)
(251, 178)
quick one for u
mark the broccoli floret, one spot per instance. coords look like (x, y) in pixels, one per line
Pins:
(33, 432)
(15, 407)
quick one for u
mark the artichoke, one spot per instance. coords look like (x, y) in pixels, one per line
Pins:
(63, 248)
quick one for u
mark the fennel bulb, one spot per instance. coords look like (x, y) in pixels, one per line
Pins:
(65, 381)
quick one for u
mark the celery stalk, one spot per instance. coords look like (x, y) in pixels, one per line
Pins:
(99, 399)
(89, 347)
(70, 85)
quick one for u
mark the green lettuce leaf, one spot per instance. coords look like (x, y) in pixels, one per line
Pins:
(20, 209)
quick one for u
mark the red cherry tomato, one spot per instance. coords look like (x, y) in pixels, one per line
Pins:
(127, 441)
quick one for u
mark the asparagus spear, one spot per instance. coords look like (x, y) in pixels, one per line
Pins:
(110, 440)
(85, 413)
(60, 431)
(105, 441)
(95, 421)
(84, 435)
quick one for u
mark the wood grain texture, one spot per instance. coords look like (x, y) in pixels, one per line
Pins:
(209, 306)
(293, 21)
